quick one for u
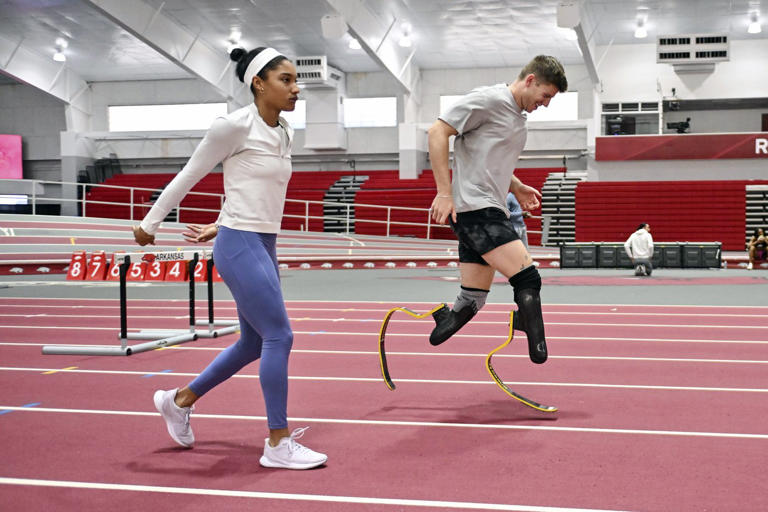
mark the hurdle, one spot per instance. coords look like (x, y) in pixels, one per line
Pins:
(159, 337)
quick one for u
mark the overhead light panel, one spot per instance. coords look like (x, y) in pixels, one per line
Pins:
(233, 41)
(354, 44)
(61, 45)
(754, 24)
(641, 32)
(405, 39)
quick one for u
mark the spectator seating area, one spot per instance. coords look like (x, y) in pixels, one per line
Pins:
(308, 186)
(385, 188)
(535, 177)
(676, 210)
(123, 195)
(604, 211)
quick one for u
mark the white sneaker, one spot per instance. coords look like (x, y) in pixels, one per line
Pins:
(289, 454)
(176, 418)
(749, 266)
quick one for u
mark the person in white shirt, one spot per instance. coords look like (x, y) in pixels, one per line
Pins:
(254, 146)
(490, 126)
(639, 248)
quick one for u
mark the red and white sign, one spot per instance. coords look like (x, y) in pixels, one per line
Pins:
(78, 266)
(97, 267)
(682, 147)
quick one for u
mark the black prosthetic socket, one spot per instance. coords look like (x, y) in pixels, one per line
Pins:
(448, 322)
(526, 285)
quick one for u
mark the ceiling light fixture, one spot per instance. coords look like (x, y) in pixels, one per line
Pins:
(61, 44)
(405, 40)
(641, 32)
(354, 44)
(234, 39)
(754, 24)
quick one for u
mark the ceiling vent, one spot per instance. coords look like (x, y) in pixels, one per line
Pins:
(314, 71)
(692, 53)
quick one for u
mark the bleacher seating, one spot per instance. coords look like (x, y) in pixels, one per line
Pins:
(307, 186)
(151, 181)
(535, 177)
(678, 211)
(385, 188)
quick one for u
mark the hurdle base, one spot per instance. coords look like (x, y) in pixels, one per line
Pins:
(64, 350)
(218, 322)
(164, 342)
(153, 334)
(215, 333)
(118, 351)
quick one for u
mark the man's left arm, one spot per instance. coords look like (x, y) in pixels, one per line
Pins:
(528, 197)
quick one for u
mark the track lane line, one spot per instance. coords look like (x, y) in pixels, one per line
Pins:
(490, 426)
(446, 354)
(232, 493)
(413, 381)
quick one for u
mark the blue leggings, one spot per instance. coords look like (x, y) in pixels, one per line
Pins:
(247, 262)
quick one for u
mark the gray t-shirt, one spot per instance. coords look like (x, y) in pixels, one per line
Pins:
(492, 133)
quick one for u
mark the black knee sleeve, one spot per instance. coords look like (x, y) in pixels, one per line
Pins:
(527, 285)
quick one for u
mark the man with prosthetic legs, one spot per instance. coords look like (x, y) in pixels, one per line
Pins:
(490, 128)
(526, 284)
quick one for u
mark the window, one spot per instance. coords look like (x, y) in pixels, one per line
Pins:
(362, 112)
(132, 118)
(447, 101)
(297, 118)
(563, 107)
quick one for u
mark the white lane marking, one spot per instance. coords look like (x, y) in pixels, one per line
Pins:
(381, 311)
(548, 428)
(230, 493)
(475, 322)
(460, 336)
(414, 381)
(393, 303)
(452, 354)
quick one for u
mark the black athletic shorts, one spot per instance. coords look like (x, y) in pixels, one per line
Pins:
(481, 231)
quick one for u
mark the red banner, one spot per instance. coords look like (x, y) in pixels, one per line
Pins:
(10, 156)
(682, 147)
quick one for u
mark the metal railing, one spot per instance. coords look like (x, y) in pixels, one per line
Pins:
(347, 218)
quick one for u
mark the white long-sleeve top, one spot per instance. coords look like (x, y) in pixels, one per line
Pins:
(257, 166)
(639, 244)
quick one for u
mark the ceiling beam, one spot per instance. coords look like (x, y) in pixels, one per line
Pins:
(176, 43)
(377, 36)
(21, 62)
(570, 14)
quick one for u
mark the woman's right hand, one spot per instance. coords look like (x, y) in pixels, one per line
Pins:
(142, 237)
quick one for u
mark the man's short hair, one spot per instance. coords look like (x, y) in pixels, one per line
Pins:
(548, 70)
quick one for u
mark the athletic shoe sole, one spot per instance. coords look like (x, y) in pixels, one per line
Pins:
(268, 463)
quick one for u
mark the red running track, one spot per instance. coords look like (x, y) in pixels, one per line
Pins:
(661, 408)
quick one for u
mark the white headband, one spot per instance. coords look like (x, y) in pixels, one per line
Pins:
(258, 63)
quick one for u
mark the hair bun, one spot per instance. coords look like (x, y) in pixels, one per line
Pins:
(237, 54)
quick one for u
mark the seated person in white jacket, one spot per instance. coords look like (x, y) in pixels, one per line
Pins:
(639, 247)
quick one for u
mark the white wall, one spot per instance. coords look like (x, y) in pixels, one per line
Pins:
(630, 73)
(718, 121)
(147, 92)
(36, 116)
